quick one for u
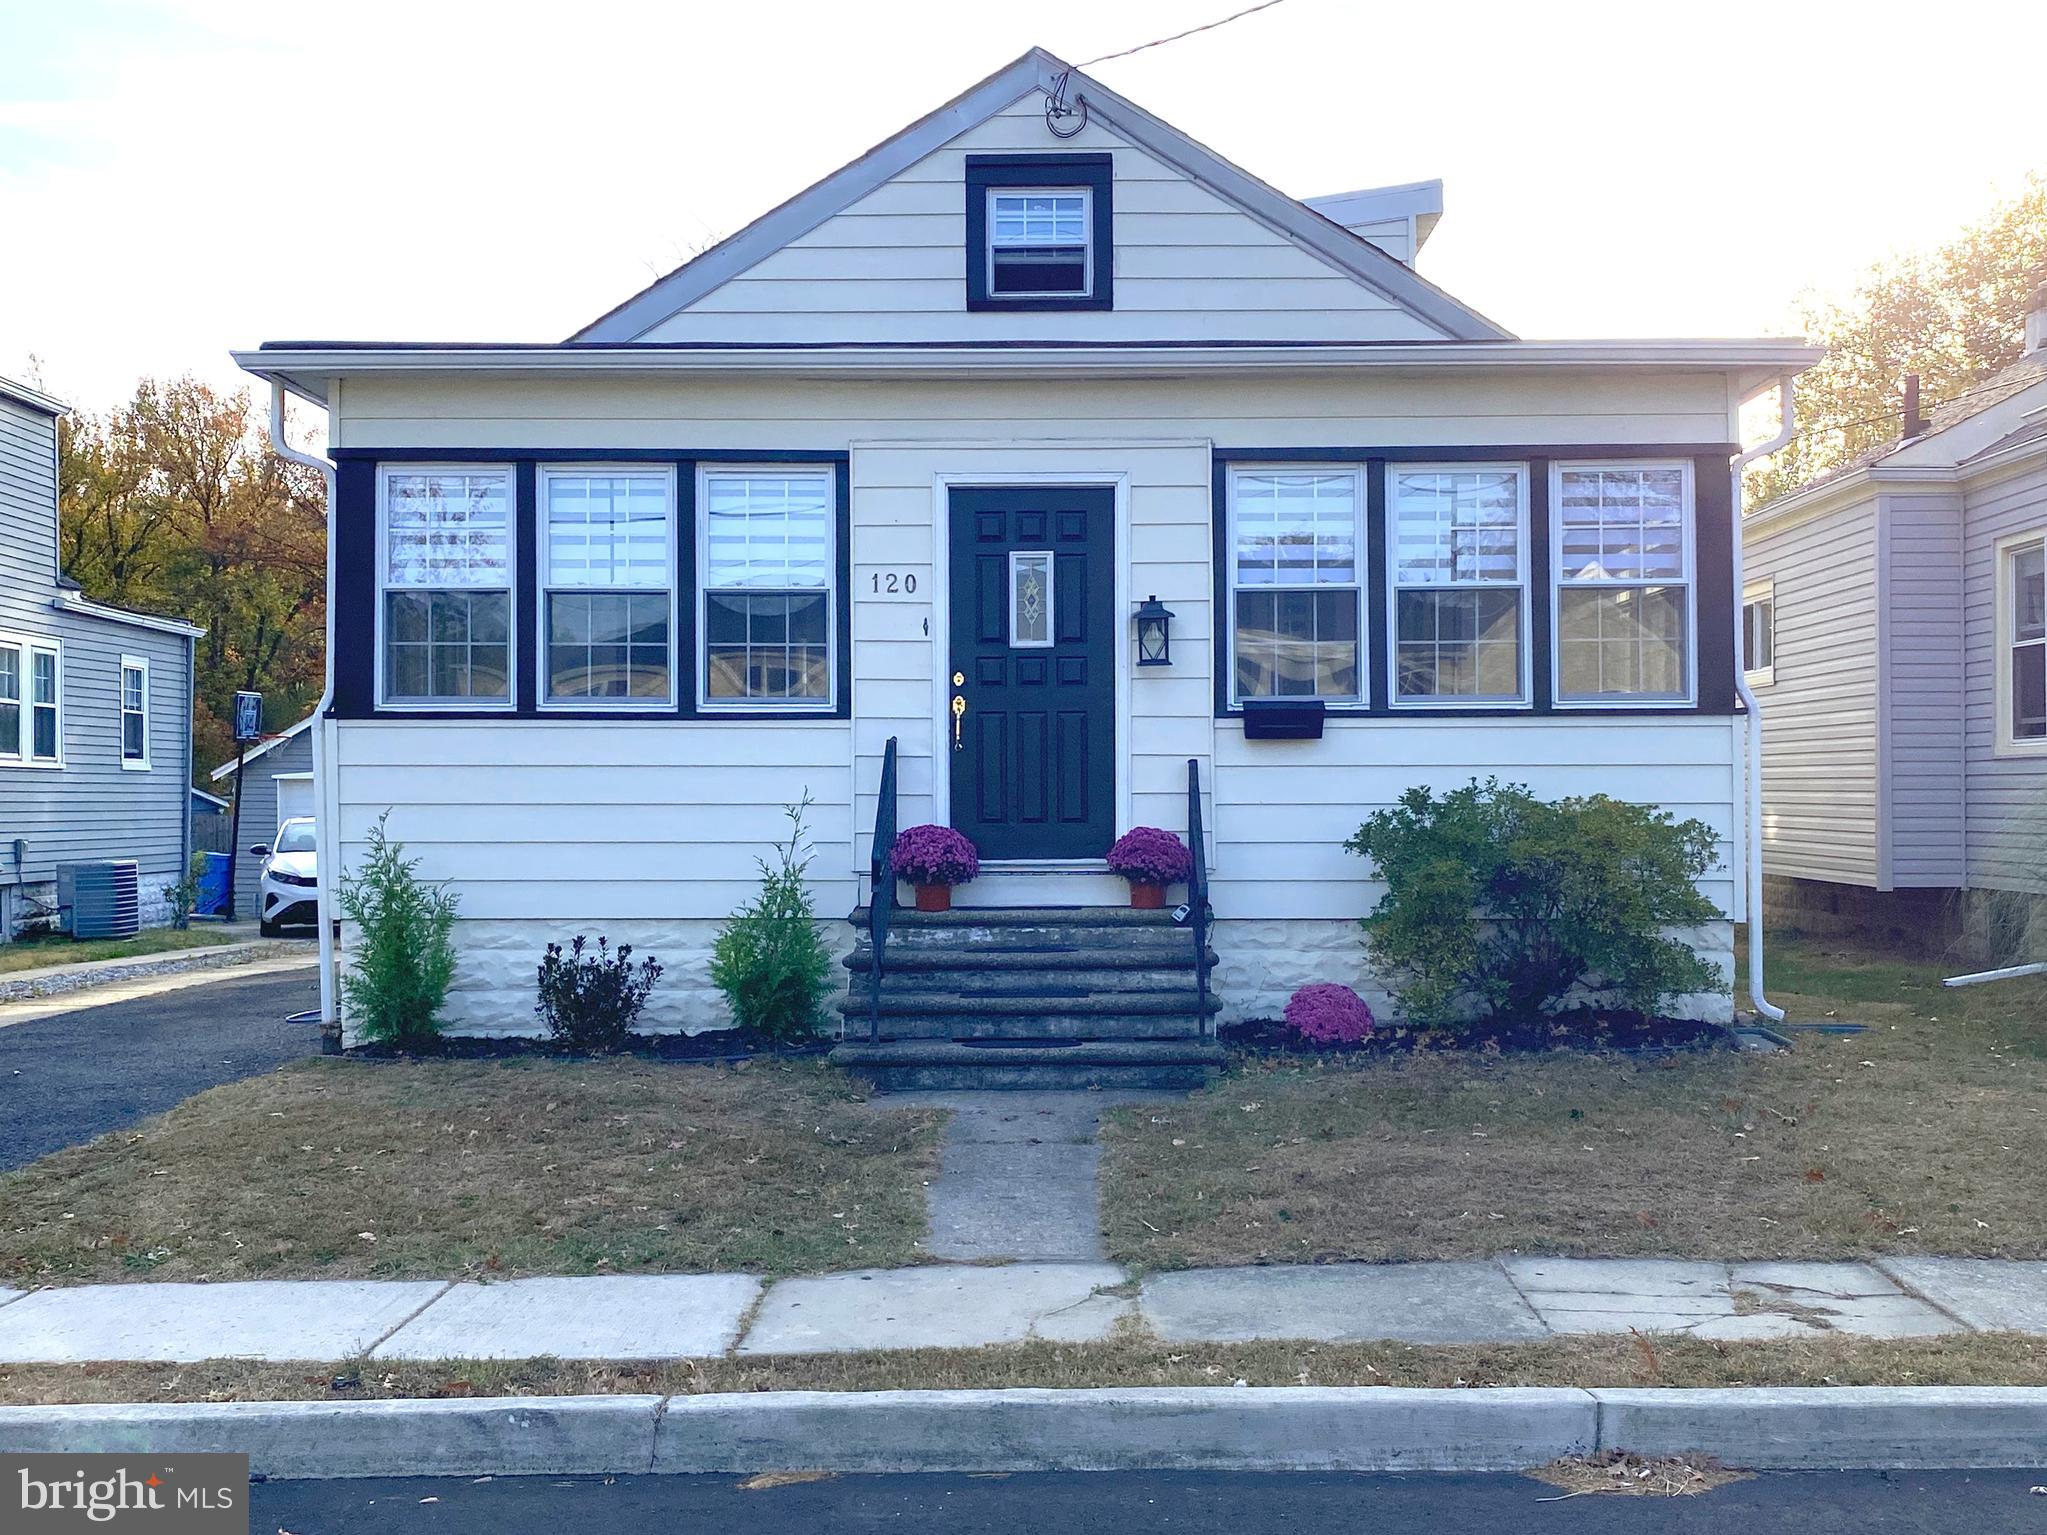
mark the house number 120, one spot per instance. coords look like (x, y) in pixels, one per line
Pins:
(893, 583)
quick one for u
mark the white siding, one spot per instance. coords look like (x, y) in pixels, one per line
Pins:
(1820, 710)
(1922, 680)
(2007, 796)
(1188, 265)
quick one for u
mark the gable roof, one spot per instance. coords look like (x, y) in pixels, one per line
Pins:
(1348, 253)
(272, 744)
(34, 399)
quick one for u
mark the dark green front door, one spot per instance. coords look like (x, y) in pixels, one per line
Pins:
(1033, 693)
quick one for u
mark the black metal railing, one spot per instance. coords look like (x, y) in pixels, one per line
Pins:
(1198, 913)
(881, 904)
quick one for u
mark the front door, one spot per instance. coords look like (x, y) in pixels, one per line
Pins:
(1032, 692)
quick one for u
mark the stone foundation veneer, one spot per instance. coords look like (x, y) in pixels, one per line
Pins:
(1260, 963)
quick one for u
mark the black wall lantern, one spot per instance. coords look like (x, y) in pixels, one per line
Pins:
(1154, 633)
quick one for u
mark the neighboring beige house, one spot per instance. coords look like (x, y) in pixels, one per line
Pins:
(1896, 624)
(890, 475)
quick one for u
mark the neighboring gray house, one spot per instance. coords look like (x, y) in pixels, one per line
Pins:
(1896, 618)
(277, 784)
(95, 702)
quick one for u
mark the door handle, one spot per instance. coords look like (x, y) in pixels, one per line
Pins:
(959, 711)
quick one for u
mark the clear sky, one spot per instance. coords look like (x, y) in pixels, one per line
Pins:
(182, 176)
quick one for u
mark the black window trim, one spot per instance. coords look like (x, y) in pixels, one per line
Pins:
(1713, 620)
(356, 552)
(1093, 173)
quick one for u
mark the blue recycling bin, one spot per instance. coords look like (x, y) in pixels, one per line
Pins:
(214, 881)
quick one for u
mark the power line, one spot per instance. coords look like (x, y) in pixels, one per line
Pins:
(1160, 42)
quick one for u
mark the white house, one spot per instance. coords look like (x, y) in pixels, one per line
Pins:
(1897, 616)
(604, 606)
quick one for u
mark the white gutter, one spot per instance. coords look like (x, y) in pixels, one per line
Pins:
(324, 827)
(1787, 430)
(71, 602)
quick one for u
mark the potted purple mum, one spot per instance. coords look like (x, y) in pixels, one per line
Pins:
(934, 859)
(1151, 858)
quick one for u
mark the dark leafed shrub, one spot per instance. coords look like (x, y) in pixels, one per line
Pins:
(589, 1001)
(1501, 903)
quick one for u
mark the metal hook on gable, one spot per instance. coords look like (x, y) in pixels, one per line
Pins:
(1057, 111)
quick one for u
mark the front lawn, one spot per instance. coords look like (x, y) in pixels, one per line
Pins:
(1927, 1134)
(34, 952)
(336, 1169)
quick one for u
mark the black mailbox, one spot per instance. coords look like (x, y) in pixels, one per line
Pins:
(1283, 719)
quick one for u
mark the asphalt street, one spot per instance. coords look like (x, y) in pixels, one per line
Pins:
(1137, 1503)
(70, 1077)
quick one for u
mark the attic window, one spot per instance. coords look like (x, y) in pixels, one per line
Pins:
(1037, 244)
(1038, 231)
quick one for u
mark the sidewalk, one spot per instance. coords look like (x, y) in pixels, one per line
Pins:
(686, 1316)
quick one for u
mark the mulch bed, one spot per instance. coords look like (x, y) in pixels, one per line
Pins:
(1586, 1029)
(712, 1047)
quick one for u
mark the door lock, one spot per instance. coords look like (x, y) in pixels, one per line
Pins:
(959, 710)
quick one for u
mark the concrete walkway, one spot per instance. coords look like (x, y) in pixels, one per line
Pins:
(1017, 1175)
(687, 1316)
(49, 990)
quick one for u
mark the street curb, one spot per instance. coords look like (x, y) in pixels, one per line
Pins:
(1207, 1428)
(505, 1436)
(51, 981)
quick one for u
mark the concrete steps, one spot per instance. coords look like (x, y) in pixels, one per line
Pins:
(1030, 997)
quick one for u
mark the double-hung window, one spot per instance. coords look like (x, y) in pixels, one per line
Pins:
(446, 587)
(765, 561)
(1624, 612)
(31, 702)
(2022, 643)
(1039, 230)
(608, 579)
(134, 713)
(1296, 556)
(1759, 633)
(1038, 243)
(1459, 573)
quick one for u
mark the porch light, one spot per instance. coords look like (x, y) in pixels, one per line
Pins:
(1154, 637)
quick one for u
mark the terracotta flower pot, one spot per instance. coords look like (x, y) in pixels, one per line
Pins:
(1145, 897)
(934, 898)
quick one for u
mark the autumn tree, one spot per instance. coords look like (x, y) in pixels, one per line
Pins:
(176, 503)
(1954, 316)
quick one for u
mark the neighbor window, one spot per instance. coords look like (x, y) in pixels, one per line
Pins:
(2022, 601)
(30, 730)
(134, 712)
(446, 578)
(1623, 540)
(765, 559)
(1038, 244)
(608, 575)
(1296, 557)
(1759, 633)
(1459, 571)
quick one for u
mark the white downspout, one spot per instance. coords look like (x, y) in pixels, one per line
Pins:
(1787, 429)
(330, 1017)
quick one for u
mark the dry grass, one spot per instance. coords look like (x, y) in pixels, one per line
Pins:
(1927, 1134)
(1619, 1474)
(432, 1169)
(35, 952)
(1972, 1360)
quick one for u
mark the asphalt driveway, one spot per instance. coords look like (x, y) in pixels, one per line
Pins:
(79, 1074)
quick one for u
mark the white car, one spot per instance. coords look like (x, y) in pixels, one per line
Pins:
(289, 893)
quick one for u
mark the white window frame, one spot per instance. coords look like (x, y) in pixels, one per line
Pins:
(1752, 593)
(121, 713)
(1087, 242)
(1524, 578)
(1689, 527)
(2003, 563)
(1360, 585)
(510, 702)
(27, 647)
(1051, 559)
(699, 635)
(544, 589)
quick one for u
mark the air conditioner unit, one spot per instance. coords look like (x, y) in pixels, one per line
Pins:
(101, 899)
